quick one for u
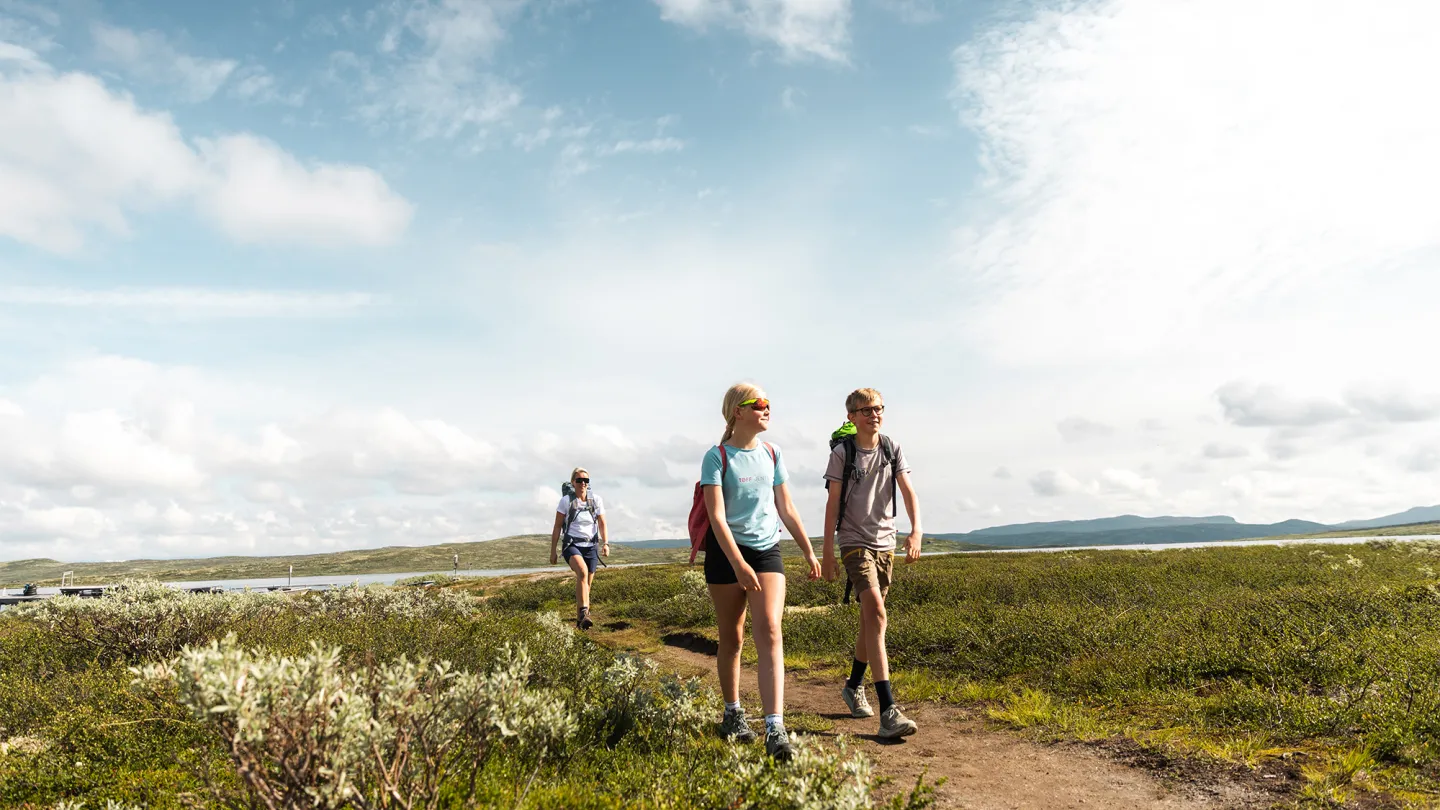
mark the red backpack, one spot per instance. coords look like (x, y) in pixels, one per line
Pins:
(701, 532)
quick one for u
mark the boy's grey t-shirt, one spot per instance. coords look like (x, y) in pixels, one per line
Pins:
(867, 522)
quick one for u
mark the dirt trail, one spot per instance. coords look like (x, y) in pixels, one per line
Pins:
(986, 768)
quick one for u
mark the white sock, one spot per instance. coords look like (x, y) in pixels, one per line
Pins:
(732, 707)
(774, 721)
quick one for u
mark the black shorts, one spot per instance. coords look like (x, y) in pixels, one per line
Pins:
(718, 570)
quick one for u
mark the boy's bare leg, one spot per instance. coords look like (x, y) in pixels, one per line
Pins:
(871, 642)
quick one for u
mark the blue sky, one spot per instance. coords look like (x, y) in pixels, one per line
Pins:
(292, 277)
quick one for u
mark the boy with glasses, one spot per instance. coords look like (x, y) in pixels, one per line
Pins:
(863, 475)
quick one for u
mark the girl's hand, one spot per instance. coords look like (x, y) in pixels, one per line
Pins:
(605, 549)
(554, 559)
(814, 567)
(745, 575)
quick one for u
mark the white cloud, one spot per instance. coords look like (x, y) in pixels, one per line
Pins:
(115, 457)
(80, 157)
(148, 56)
(1224, 450)
(1423, 459)
(1255, 405)
(800, 28)
(1078, 429)
(27, 27)
(1393, 404)
(24, 57)
(1130, 483)
(434, 77)
(1052, 483)
(1167, 186)
(263, 194)
(255, 84)
(187, 302)
(648, 146)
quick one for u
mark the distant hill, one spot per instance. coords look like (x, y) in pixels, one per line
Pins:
(1418, 514)
(1101, 525)
(510, 552)
(1184, 533)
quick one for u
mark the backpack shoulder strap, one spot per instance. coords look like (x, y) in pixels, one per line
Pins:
(570, 511)
(724, 462)
(848, 471)
(769, 448)
(887, 447)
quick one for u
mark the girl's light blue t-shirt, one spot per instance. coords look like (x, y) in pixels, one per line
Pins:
(749, 489)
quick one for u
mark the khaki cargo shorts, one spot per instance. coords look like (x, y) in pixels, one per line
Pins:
(868, 568)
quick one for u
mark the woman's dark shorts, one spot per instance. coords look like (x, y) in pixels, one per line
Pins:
(591, 556)
(718, 570)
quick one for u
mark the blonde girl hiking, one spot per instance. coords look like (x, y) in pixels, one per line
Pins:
(746, 495)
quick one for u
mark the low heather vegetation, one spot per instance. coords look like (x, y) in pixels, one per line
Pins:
(1332, 652)
(364, 698)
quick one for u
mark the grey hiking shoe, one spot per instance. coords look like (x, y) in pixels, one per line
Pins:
(777, 744)
(735, 727)
(855, 699)
(894, 725)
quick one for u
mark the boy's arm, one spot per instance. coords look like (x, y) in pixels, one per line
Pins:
(912, 508)
(832, 510)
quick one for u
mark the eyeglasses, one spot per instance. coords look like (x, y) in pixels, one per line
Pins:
(758, 404)
(582, 480)
(870, 410)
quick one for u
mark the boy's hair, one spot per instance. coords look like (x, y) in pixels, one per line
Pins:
(861, 397)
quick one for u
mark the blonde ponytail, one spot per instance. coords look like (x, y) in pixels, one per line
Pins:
(738, 393)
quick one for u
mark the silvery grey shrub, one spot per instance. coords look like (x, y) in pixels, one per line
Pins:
(303, 732)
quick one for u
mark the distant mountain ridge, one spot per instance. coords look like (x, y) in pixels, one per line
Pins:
(1124, 530)
(1415, 514)
(1101, 524)
(1163, 532)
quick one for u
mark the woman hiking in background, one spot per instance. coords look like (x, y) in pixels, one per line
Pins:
(580, 519)
(747, 498)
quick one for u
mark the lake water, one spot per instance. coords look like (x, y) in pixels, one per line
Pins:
(390, 579)
(335, 580)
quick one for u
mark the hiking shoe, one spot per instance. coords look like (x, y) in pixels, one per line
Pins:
(855, 699)
(894, 725)
(777, 744)
(735, 727)
(585, 623)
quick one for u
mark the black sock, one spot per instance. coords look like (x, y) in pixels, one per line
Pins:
(584, 609)
(882, 691)
(857, 674)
